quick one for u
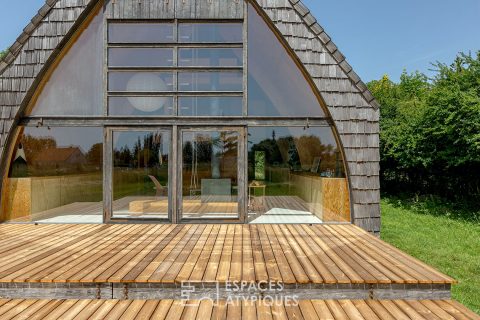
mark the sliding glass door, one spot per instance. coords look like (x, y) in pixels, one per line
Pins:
(211, 175)
(139, 174)
(207, 184)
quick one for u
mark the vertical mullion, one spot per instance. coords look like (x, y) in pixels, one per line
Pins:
(175, 189)
(242, 177)
(244, 156)
(107, 175)
(175, 64)
(173, 184)
(105, 67)
(245, 59)
(179, 174)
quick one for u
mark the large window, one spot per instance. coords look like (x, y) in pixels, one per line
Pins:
(75, 87)
(141, 174)
(56, 176)
(197, 120)
(185, 69)
(276, 85)
(296, 175)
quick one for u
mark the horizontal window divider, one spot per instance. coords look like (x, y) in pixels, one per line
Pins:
(176, 93)
(145, 21)
(171, 45)
(186, 21)
(196, 69)
(126, 121)
(141, 94)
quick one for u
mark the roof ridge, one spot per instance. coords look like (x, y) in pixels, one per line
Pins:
(327, 41)
(13, 51)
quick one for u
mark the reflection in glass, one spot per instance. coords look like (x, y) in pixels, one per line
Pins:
(276, 86)
(210, 81)
(76, 85)
(140, 174)
(140, 81)
(140, 106)
(296, 175)
(210, 106)
(210, 57)
(210, 32)
(140, 57)
(210, 175)
(140, 32)
(56, 176)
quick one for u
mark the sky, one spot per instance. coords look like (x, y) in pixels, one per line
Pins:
(377, 36)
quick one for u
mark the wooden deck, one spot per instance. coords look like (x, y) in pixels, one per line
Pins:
(292, 254)
(172, 310)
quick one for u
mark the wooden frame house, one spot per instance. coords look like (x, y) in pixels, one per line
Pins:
(260, 76)
(179, 159)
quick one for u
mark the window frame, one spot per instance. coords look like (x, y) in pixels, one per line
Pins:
(176, 69)
(176, 121)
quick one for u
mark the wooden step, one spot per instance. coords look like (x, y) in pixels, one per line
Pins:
(217, 310)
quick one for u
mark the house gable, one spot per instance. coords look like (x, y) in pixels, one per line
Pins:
(352, 107)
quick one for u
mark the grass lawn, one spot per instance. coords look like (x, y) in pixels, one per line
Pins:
(450, 245)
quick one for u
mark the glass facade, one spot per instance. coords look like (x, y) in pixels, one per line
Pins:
(141, 174)
(296, 175)
(56, 176)
(77, 73)
(187, 131)
(201, 60)
(210, 174)
(141, 32)
(210, 33)
(140, 57)
(276, 85)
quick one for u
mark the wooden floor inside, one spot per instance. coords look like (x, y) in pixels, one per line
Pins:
(165, 253)
(206, 309)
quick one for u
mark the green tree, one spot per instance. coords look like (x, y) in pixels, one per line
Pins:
(430, 130)
(2, 54)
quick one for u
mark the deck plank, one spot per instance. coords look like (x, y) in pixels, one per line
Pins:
(283, 265)
(205, 253)
(198, 271)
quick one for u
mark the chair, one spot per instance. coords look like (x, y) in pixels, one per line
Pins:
(161, 190)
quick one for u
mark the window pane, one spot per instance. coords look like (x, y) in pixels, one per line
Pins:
(140, 57)
(75, 88)
(210, 175)
(276, 86)
(140, 174)
(210, 106)
(210, 81)
(296, 175)
(140, 81)
(56, 176)
(140, 106)
(210, 57)
(210, 32)
(140, 32)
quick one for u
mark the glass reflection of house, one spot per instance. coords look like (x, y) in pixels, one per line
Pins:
(57, 157)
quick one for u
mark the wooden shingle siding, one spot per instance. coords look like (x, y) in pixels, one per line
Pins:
(353, 109)
(145, 9)
(170, 9)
